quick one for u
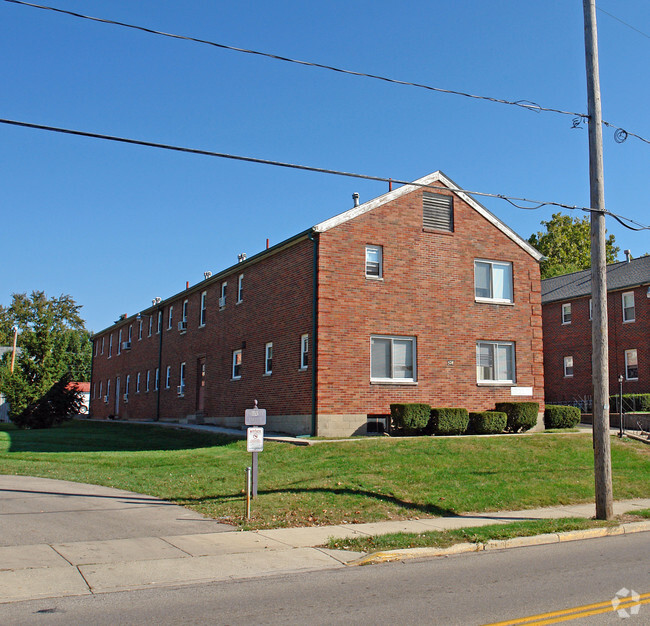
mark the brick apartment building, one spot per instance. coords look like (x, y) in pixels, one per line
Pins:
(420, 295)
(566, 305)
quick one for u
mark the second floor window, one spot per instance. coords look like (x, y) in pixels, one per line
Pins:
(374, 261)
(566, 313)
(493, 281)
(628, 307)
(202, 318)
(568, 366)
(170, 318)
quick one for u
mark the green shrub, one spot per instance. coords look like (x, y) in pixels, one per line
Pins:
(522, 416)
(487, 422)
(410, 417)
(631, 402)
(561, 416)
(448, 421)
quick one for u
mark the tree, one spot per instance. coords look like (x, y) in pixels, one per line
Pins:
(53, 342)
(566, 244)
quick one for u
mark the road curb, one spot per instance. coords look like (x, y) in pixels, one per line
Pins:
(387, 556)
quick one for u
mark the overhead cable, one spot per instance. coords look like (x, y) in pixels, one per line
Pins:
(524, 104)
(319, 170)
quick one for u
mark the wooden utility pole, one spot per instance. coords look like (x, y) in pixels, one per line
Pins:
(600, 358)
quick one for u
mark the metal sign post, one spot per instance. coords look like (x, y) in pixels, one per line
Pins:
(255, 418)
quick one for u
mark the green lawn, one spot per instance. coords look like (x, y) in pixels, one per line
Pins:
(328, 483)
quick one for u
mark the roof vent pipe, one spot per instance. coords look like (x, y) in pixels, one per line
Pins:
(355, 197)
(628, 255)
(241, 257)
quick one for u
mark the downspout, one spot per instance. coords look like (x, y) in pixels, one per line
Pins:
(161, 329)
(92, 371)
(314, 329)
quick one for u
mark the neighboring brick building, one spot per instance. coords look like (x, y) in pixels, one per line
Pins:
(567, 331)
(420, 295)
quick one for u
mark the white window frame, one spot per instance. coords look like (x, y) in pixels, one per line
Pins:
(628, 354)
(237, 361)
(168, 377)
(491, 297)
(240, 288)
(566, 314)
(182, 379)
(495, 363)
(268, 358)
(150, 325)
(222, 298)
(130, 332)
(127, 384)
(568, 367)
(110, 345)
(148, 381)
(160, 319)
(108, 388)
(627, 320)
(395, 379)
(119, 342)
(157, 379)
(372, 264)
(170, 317)
(139, 330)
(184, 316)
(590, 310)
(102, 351)
(204, 309)
(137, 383)
(100, 390)
(304, 351)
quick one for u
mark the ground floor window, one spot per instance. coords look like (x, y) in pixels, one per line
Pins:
(495, 362)
(236, 364)
(568, 366)
(631, 365)
(392, 359)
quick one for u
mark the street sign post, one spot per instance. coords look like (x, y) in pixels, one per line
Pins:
(255, 418)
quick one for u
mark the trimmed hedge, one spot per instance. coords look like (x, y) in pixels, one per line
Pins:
(487, 422)
(448, 421)
(522, 416)
(561, 416)
(631, 402)
(410, 417)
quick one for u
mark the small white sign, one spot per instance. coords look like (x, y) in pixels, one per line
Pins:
(521, 391)
(255, 439)
(255, 417)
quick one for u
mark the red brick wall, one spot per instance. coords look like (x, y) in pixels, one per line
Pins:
(276, 307)
(575, 340)
(427, 292)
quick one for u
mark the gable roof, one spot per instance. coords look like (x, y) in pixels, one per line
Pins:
(620, 275)
(435, 177)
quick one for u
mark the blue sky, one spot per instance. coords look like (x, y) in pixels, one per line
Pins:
(116, 225)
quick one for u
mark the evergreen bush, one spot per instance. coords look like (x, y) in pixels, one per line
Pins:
(561, 416)
(448, 421)
(522, 416)
(409, 417)
(487, 422)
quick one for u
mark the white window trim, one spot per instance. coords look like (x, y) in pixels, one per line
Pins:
(396, 381)
(160, 319)
(590, 310)
(119, 342)
(102, 351)
(637, 364)
(628, 293)
(150, 325)
(181, 383)
(139, 330)
(564, 322)
(185, 306)
(240, 288)
(168, 377)
(148, 381)
(496, 382)
(137, 383)
(304, 351)
(130, 333)
(566, 367)
(170, 317)
(380, 249)
(203, 314)
(110, 345)
(268, 348)
(234, 362)
(157, 380)
(493, 300)
(222, 297)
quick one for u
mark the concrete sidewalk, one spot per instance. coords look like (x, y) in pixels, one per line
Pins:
(62, 539)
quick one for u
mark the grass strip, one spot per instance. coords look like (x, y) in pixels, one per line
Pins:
(481, 534)
(644, 513)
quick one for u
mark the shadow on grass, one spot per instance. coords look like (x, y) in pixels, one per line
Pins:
(428, 509)
(89, 436)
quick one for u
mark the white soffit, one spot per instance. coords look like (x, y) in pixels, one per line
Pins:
(435, 177)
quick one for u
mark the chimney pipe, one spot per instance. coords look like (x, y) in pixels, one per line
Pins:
(355, 197)
(628, 255)
(267, 243)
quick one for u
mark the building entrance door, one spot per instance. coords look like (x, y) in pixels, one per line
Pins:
(200, 380)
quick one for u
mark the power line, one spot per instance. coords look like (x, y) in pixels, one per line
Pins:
(524, 104)
(618, 19)
(320, 170)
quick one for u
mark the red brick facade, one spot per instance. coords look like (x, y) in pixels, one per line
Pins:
(425, 293)
(574, 340)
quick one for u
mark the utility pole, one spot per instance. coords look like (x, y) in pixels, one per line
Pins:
(600, 357)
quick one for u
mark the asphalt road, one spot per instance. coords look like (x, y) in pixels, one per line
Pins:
(477, 588)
